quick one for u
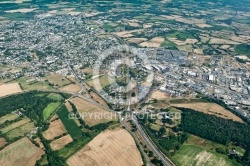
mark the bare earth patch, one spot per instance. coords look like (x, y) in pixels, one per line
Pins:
(210, 108)
(20, 153)
(2, 142)
(55, 129)
(8, 89)
(61, 142)
(112, 147)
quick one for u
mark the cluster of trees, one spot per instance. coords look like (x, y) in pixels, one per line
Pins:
(32, 105)
(217, 129)
(167, 144)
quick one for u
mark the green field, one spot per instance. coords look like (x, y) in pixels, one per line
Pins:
(9, 117)
(70, 125)
(50, 109)
(168, 44)
(243, 49)
(194, 155)
(33, 85)
(55, 96)
(20, 131)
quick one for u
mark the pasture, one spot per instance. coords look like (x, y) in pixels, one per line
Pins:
(50, 109)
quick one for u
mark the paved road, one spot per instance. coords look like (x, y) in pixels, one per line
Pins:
(166, 161)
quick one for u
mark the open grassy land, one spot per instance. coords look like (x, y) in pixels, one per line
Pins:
(28, 83)
(198, 156)
(104, 149)
(55, 96)
(50, 109)
(104, 81)
(14, 125)
(20, 153)
(70, 125)
(20, 131)
(58, 80)
(9, 117)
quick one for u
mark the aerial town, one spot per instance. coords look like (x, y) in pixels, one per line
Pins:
(59, 45)
(128, 83)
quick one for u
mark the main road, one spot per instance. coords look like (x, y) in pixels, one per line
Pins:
(165, 160)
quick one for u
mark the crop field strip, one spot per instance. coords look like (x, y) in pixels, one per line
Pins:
(69, 124)
(15, 125)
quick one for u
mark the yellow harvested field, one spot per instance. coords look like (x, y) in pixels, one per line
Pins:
(221, 41)
(158, 40)
(58, 80)
(98, 99)
(8, 89)
(149, 25)
(136, 40)
(24, 10)
(159, 95)
(185, 20)
(112, 147)
(55, 129)
(181, 43)
(204, 25)
(71, 88)
(14, 125)
(198, 51)
(20, 153)
(210, 108)
(241, 39)
(2, 142)
(61, 142)
(8, 117)
(72, 13)
(38, 140)
(224, 47)
(91, 113)
(150, 44)
(92, 14)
